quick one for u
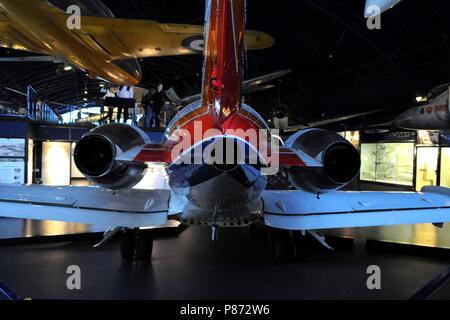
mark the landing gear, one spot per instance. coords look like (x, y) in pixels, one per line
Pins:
(128, 245)
(144, 247)
(136, 245)
(288, 246)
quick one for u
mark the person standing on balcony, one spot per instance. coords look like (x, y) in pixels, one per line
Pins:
(158, 101)
(125, 92)
(147, 106)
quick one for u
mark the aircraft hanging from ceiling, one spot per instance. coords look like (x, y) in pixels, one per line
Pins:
(218, 170)
(281, 120)
(105, 47)
(380, 5)
(432, 114)
(248, 86)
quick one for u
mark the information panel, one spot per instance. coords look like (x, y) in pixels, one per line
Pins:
(12, 170)
(12, 160)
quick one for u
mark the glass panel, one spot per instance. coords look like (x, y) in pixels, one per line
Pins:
(395, 163)
(388, 163)
(445, 167)
(368, 161)
(427, 159)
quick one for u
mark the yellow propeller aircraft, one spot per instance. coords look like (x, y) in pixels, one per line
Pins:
(103, 46)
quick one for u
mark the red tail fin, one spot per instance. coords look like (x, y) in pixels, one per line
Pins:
(224, 55)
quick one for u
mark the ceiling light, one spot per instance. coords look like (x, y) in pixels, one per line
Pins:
(421, 99)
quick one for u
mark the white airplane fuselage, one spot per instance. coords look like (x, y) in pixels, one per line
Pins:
(434, 115)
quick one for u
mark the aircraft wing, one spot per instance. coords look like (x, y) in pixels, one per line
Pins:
(90, 205)
(132, 38)
(299, 210)
(327, 121)
(248, 86)
(9, 38)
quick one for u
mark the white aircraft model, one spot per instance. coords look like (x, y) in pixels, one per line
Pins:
(434, 114)
(217, 193)
(378, 6)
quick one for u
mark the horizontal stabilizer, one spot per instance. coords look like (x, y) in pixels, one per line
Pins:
(90, 205)
(299, 210)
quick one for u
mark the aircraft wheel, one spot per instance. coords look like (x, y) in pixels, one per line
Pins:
(128, 244)
(144, 246)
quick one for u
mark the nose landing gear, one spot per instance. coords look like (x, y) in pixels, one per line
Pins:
(136, 245)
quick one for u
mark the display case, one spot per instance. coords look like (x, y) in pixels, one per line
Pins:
(391, 163)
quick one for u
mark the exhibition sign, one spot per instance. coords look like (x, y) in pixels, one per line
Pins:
(12, 161)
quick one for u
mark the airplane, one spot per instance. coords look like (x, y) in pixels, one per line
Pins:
(280, 120)
(248, 86)
(217, 169)
(433, 113)
(104, 47)
(381, 5)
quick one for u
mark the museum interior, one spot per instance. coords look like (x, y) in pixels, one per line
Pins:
(96, 97)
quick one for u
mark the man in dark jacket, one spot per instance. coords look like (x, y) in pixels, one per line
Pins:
(146, 104)
(158, 101)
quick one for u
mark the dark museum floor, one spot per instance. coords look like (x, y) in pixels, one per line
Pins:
(187, 265)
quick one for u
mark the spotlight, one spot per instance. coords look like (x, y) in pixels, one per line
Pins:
(421, 99)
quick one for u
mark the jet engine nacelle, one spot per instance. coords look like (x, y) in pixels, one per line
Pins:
(96, 155)
(341, 161)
